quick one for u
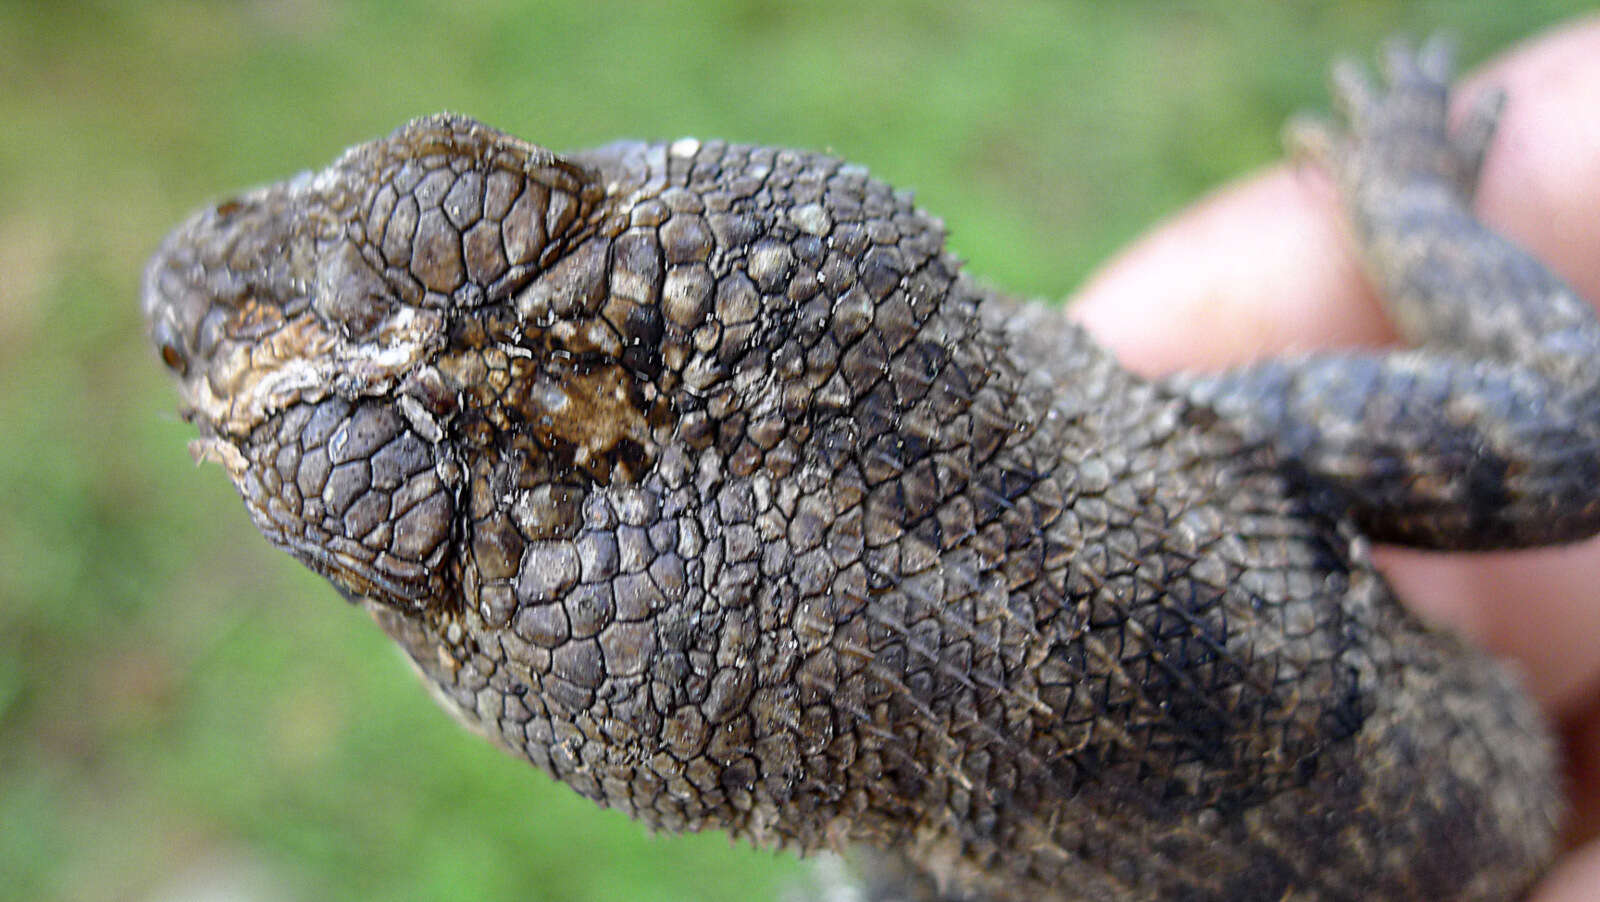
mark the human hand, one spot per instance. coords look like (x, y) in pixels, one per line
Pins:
(1264, 267)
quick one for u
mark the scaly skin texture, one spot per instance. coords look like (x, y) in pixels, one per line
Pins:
(700, 476)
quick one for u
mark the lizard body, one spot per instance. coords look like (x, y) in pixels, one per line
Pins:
(701, 476)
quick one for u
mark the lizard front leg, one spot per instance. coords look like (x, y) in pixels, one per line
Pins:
(1487, 434)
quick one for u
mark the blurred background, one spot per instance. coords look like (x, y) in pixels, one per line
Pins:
(186, 714)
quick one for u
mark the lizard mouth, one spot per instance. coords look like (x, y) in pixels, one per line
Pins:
(355, 578)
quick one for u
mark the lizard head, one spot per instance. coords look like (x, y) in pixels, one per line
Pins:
(329, 331)
(344, 280)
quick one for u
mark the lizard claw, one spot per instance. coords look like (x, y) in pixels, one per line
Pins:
(1472, 135)
(1312, 140)
(1354, 96)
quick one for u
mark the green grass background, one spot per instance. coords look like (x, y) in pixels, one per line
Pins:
(183, 708)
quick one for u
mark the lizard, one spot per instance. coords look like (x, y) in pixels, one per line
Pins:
(701, 476)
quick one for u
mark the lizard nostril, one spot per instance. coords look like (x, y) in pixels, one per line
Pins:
(173, 358)
(171, 348)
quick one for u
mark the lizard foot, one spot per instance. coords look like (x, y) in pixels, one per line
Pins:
(1398, 133)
